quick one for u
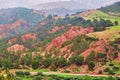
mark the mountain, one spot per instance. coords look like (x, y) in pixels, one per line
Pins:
(60, 11)
(113, 9)
(18, 20)
(84, 43)
(75, 4)
(10, 15)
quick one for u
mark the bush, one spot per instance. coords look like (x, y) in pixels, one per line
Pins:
(79, 60)
(60, 62)
(100, 72)
(116, 68)
(40, 73)
(106, 69)
(27, 73)
(66, 43)
(18, 78)
(47, 62)
(90, 57)
(101, 55)
(19, 73)
(91, 65)
(37, 78)
(111, 72)
(111, 64)
(72, 59)
(53, 67)
(115, 54)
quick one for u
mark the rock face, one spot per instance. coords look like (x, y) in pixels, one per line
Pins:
(16, 47)
(26, 37)
(9, 27)
(54, 29)
(100, 46)
(12, 40)
(70, 34)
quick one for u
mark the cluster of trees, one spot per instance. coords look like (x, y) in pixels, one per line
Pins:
(97, 24)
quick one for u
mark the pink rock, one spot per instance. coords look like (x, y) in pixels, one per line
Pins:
(28, 36)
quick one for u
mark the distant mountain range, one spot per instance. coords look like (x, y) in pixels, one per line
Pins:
(76, 4)
(115, 8)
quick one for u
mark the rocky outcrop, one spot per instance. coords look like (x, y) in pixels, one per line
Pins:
(100, 46)
(70, 34)
(16, 47)
(55, 29)
(28, 36)
(9, 27)
(12, 41)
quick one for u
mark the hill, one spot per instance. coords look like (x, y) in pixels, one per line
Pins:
(10, 15)
(87, 43)
(18, 20)
(113, 9)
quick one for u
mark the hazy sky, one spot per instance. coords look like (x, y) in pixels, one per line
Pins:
(31, 3)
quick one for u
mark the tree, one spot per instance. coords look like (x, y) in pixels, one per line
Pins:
(116, 23)
(49, 17)
(37, 61)
(47, 62)
(60, 62)
(91, 65)
(90, 57)
(79, 60)
(72, 59)
(115, 54)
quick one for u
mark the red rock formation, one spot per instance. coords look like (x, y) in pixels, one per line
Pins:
(12, 40)
(55, 29)
(8, 27)
(16, 47)
(70, 34)
(28, 36)
(98, 47)
(40, 25)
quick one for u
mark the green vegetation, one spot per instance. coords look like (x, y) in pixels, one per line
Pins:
(79, 60)
(115, 8)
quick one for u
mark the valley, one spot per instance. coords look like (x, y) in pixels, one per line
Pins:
(45, 46)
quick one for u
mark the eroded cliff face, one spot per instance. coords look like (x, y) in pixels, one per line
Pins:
(4, 29)
(56, 28)
(16, 47)
(28, 36)
(13, 40)
(70, 34)
(100, 46)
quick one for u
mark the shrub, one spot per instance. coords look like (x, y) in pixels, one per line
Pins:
(72, 59)
(90, 57)
(37, 78)
(106, 69)
(40, 73)
(111, 64)
(100, 72)
(66, 43)
(19, 73)
(111, 72)
(60, 62)
(116, 68)
(101, 55)
(27, 73)
(115, 54)
(47, 62)
(91, 65)
(53, 67)
(79, 60)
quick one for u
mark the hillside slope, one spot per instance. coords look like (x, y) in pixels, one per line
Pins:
(113, 9)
